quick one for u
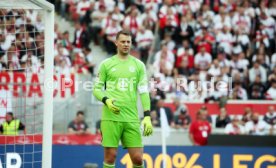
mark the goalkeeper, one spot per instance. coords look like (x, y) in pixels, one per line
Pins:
(123, 76)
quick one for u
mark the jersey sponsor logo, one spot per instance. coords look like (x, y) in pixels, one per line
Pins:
(131, 69)
(121, 84)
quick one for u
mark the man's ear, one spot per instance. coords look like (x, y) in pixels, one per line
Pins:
(115, 42)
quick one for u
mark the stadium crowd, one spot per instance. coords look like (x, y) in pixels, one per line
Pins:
(21, 41)
(250, 122)
(195, 40)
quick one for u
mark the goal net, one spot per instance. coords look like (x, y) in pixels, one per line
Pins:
(26, 83)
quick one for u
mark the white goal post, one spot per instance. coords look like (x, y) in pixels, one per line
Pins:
(48, 11)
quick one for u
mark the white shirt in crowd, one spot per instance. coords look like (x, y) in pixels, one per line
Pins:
(20, 21)
(231, 129)
(127, 23)
(254, 72)
(241, 22)
(181, 51)
(250, 12)
(270, 116)
(214, 71)
(261, 128)
(152, 15)
(153, 3)
(170, 56)
(112, 31)
(271, 93)
(106, 22)
(82, 7)
(242, 93)
(273, 61)
(163, 10)
(165, 65)
(96, 17)
(219, 22)
(202, 60)
(269, 24)
(195, 93)
(33, 58)
(171, 45)
(120, 17)
(224, 63)
(144, 39)
(272, 12)
(262, 37)
(39, 25)
(9, 38)
(32, 15)
(110, 4)
(194, 5)
(89, 57)
(243, 39)
(219, 92)
(225, 41)
(266, 59)
(63, 52)
(240, 64)
(208, 14)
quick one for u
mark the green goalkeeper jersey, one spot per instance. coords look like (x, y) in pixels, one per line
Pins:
(120, 80)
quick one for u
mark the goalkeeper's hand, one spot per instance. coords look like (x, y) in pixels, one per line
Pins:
(146, 123)
(110, 104)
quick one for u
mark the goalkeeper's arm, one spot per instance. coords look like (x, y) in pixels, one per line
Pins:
(99, 83)
(145, 99)
(98, 92)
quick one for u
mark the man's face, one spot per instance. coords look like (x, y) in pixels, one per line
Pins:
(77, 26)
(274, 85)
(202, 50)
(66, 35)
(123, 44)
(176, 103)
(256, 65)
(216, 63)
(185, 44)
(80, 118)
(271, 109)
(160, 103)
(258, 79)
(203, 115)
(204, 31)
(235, 121)
(223, 111)
(255, 117)
(8, 117)
(164, 49)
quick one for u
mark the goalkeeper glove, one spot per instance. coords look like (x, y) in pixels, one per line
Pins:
(110, 104)
(146, 123)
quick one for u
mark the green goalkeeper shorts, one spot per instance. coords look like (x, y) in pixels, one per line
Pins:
(129, 133)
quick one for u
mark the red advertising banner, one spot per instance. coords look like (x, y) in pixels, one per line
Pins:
(32, 84)
(58, 139)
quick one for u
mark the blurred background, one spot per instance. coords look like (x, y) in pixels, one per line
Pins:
(229, 42)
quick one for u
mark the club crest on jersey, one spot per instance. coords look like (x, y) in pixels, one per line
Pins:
(131, 69)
